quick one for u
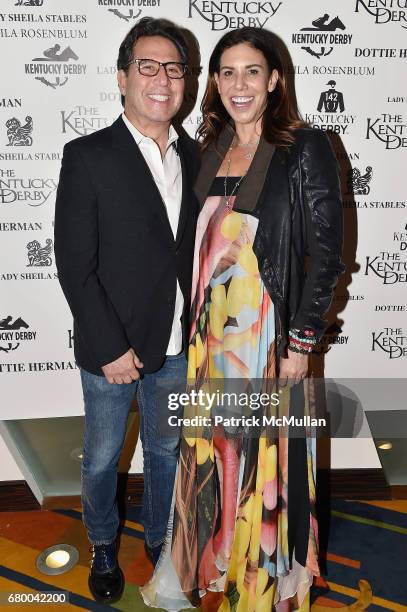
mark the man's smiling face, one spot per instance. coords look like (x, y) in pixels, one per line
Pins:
(151, 100)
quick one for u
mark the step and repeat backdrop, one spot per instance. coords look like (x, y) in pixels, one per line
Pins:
(348, 63)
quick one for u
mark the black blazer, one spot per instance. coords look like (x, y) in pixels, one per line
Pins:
(115, 251)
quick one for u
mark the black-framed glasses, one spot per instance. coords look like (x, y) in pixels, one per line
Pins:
(149, 67)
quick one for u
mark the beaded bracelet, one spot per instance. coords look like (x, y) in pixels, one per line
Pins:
(297, 349)
(302, 342)
(303, 339)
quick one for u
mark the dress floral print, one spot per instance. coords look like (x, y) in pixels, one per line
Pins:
(233, 528)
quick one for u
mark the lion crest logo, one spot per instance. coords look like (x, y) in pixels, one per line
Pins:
(19, 135)
(358, 183)
(38, 255)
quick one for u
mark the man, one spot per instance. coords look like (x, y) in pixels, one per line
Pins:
(124, 234)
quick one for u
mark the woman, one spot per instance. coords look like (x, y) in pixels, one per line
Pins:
(243, 521)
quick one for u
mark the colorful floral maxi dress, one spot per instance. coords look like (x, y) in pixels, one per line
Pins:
(243, 517)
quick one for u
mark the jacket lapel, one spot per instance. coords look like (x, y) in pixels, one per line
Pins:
(253, 183)
(210, 163)
(186, 194)
(138, 170)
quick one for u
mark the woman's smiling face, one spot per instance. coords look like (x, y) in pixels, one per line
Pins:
(244, 82)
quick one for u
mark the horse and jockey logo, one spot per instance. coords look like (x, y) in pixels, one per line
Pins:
(19, 135)
(38, 255)
(10, 332)
(319, 39)
(53, 55)
(55, 66)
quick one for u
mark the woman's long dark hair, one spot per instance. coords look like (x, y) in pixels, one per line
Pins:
(280, 117)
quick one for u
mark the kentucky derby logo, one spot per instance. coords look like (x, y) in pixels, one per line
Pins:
(358, 183)
(12, 333)
(83, 120)
(55, 66)
(391, 340)
(38, 255)
(31, 191)
(319, 39)
(384, 11)
(390, 129)
(127, 9)
(390, 267)
(29, 3)
(333, 335)
(331, 100)
(330, 116)
(225, 15)
(19, 135)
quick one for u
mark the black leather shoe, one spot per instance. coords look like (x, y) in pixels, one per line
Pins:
(106, 580)
(153, 553)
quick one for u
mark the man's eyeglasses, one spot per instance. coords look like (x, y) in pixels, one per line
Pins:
(149, 67)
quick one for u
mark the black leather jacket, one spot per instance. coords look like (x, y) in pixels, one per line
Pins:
(298, 244)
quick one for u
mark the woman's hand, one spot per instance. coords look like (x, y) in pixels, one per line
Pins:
(293, 368)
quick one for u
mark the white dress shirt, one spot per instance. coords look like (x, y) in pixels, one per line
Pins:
(167, 175)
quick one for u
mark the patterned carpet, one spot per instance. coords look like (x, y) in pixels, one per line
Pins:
(365, 566)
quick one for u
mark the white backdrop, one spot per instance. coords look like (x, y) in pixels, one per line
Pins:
(58, 82)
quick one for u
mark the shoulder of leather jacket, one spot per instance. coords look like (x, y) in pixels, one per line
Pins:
(311, 141)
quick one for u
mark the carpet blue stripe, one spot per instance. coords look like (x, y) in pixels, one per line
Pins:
(75, 514)
(375, 548)
(371, 512)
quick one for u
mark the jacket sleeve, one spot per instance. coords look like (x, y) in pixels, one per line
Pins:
(76, 256)
(341, 103)
(323, 213)
(321, 102)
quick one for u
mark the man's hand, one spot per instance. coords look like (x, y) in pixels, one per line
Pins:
(124, 369)
(293, 368)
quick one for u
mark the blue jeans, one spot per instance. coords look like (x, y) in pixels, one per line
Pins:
(106, 411)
